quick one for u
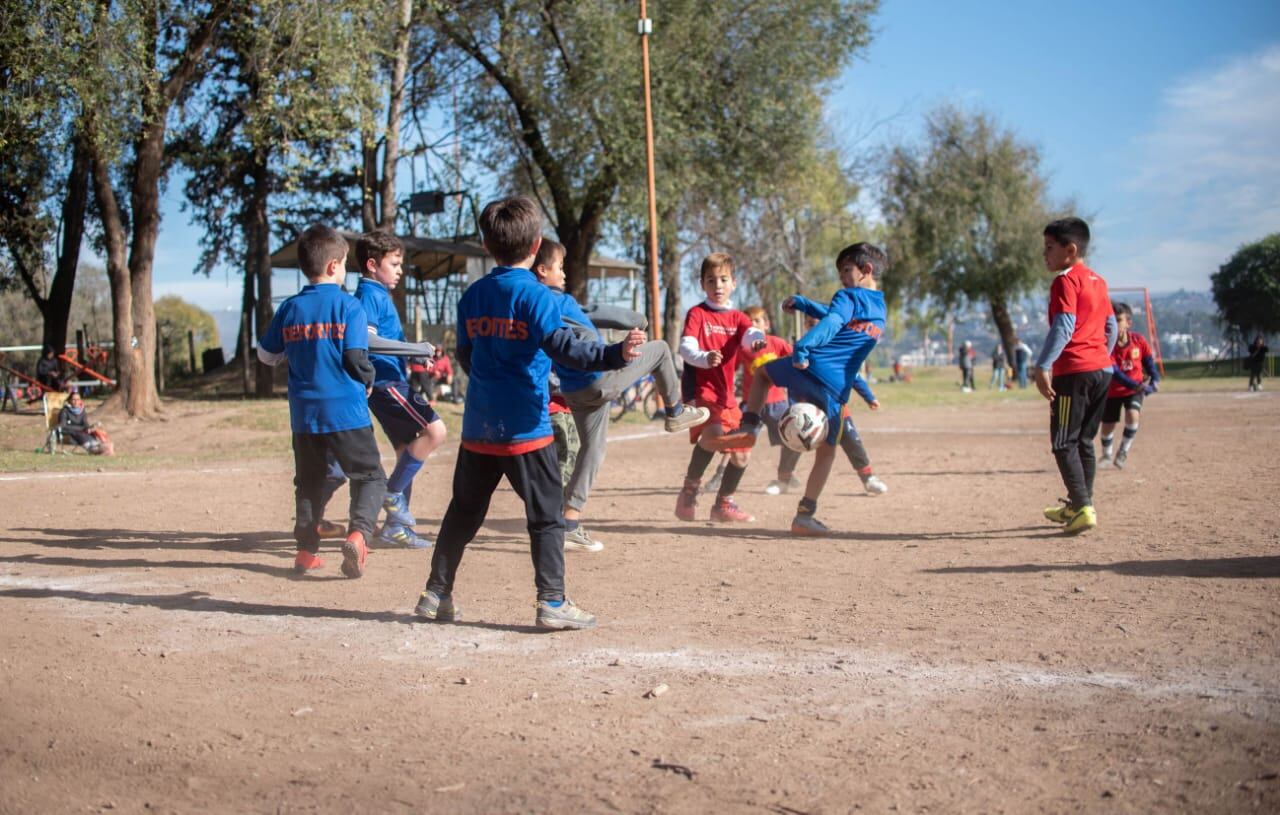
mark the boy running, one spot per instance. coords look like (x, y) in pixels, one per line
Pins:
(324, 335)
(1131, 359)
(509, 330)
(405, 414)
(825, 367)
(1077, 351)
(714, 332)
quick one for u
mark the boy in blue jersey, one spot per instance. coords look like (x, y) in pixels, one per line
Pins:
(405, 414)
(588, 395)
(509, 330)
(324, 335)
(824, 366)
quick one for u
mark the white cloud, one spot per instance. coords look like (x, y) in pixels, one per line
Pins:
(1207, 176)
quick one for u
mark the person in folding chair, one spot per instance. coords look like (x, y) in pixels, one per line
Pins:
(74, 427)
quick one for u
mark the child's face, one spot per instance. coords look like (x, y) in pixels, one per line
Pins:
(388, 270)
(1124, 322)
(719, 285)
(761, 322)
(552, 275)
(1058, 256)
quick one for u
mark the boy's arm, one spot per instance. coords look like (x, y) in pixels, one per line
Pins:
(690, 351)
(355, 350)
(564, 347)
(1060, 331)
(271, 344)
(838, 314)
(1112, 332)
(864, 390)
(1124, 379)
(804, 305)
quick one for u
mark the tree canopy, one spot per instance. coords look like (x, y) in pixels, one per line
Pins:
(1247, 288)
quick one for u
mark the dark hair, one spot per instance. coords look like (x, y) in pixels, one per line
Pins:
(1070, 230)
(860, 254)
(318, 245)
(1122, 308)
(714, 262)
(510, 228)
(375, 246)
(548, 253)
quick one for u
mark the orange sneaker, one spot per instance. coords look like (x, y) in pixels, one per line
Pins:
(328, 530)
(354, 553)
(306, 561)
(726, 511)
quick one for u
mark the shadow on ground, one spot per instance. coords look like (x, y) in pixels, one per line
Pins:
(1232, 567)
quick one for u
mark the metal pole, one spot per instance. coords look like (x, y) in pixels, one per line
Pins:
(191, 349)
(655, 321)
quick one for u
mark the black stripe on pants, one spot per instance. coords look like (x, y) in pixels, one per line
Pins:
(356, 452)
(1074, 417)
(535, 476)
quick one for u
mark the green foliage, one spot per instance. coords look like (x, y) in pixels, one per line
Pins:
(1247, 288)
(175, 317)
(965, 213)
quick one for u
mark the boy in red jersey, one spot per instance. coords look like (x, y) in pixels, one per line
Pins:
(714, 333)
(1082, 331)
(1133, 362)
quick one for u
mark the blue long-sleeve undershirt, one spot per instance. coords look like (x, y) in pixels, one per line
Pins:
(1060, 331)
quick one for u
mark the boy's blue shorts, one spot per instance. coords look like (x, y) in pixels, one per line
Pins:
(402, 412)
(803, 386)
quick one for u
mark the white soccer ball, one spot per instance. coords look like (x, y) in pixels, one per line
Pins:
(803, 427)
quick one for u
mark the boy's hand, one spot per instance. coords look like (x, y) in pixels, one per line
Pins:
(799, 363)
(631, 345)
(758, 346)
(790, 303)
(1044, 384)
(714, 358)
(874, 404)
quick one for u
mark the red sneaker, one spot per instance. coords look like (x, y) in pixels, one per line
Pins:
(726, 511)
(305, 562)
(354, 553)
(328, 530)
(687, 505)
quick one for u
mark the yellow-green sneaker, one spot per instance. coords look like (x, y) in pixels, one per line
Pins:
(1082, 520)
(1061, 513)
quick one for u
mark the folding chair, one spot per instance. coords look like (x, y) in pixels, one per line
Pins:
(53, 402)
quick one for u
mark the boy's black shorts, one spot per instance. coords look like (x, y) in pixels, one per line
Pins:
(403, 412)
(1076, 410)
(1117, 404)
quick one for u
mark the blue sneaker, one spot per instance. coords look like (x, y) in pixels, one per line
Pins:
(402, 536)
(398, 510)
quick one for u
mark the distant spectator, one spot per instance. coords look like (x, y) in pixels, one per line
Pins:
(997, 367)
(1021, 359)
(48, 371)
(74, 424)
(966, 359)
(1254, 362)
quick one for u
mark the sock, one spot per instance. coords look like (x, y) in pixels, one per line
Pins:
(1129, 432)
(406, 468)
(674, 410)
(698, 463)
(408, 493)
(729, 484)
(570, 525)
(554, 603)
(864, 473)
(807, 506)
(1106, 444)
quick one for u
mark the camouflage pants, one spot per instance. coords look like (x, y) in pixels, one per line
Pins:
(567, 444)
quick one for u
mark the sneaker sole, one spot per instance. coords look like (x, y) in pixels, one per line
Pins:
(750, 519)
(802, 532)
(564, 625)
(437, 617)
(700, 416)
(583, 547)
(1079, 530)
(351, 565)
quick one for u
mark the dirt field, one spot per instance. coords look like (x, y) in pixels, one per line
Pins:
(945, 651)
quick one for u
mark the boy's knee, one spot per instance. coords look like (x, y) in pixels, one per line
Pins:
(739, 459)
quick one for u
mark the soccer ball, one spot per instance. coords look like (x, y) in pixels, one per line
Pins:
(803, 427)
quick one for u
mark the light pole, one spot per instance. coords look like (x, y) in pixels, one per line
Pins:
(645, 28)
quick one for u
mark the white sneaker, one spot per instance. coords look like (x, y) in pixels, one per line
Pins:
(774, 488)
(875, 486)
(777, 487)
(581, 541)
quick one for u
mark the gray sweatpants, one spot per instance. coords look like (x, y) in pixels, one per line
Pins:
(591, 412)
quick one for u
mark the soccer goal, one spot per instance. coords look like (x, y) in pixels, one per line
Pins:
(1152, 335)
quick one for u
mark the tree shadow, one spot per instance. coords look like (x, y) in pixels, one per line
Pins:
(1033, 471)
(202, 602)
(1230, 567)
(140, 563)
(755, 533)
(151, 539)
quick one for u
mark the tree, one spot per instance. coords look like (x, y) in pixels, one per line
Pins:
(152, 53)
(1247, 288)
(965, 213)
(174, 318)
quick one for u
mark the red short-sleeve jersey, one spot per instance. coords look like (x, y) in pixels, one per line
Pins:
(716, 331)
(772, 345)
(1080, 291)
(1127, 359)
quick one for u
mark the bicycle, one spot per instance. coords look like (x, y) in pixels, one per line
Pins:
(639, 395)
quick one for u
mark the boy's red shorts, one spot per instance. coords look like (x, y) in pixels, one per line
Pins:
(729, 417)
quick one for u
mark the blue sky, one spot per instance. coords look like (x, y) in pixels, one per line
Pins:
(1161, 120)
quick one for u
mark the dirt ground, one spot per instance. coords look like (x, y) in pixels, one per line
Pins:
(945, 651)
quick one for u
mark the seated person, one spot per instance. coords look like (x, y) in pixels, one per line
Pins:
(74, 424)
(440, 372)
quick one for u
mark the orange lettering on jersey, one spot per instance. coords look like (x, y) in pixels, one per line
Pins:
(500, 327)
(864, 327)
(303, 332)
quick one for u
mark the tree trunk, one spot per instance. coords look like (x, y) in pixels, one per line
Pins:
(113, 237)
(247, 302)
(669, 272)
(1004, 324)
(391, 153)
(57, 309)
(258, 266)
(368, 182)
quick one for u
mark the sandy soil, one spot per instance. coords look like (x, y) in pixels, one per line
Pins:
(945, 651)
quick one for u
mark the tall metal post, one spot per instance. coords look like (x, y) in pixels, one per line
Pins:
(645, 28)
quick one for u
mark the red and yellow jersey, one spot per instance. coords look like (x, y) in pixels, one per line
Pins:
(777, 347)
(1081, 292)
(721, 331)
(1127, 359)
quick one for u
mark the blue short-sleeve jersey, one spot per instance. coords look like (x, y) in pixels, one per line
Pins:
(503, 320)
(838, 345)
(572, 379)
(313, 329)
(380, 309)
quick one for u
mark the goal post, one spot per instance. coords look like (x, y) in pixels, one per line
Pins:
(1152, 334)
